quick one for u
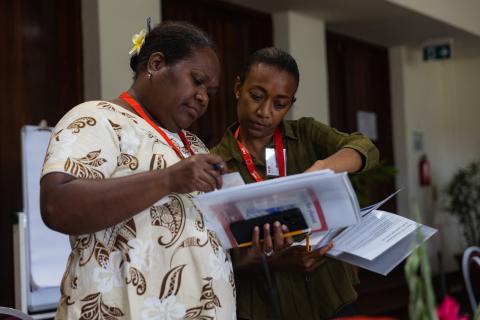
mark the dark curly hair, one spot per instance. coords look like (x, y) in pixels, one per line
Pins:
(175, 39)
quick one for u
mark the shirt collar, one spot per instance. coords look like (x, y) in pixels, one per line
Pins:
(287, 130)
(229, 149)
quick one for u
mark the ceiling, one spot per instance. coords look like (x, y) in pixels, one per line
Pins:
(376, 21)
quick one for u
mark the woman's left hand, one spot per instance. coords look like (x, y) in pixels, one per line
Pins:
(272, 244)
(298, 259)
(248, 260)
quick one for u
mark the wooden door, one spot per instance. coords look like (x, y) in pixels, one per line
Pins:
(358, 79)
(40, 78)
(238, 32)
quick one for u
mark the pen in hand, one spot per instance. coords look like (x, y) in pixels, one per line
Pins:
(307, 243)
(288, 234)
(218, 166)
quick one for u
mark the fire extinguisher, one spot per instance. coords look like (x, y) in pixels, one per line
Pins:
(424, 171)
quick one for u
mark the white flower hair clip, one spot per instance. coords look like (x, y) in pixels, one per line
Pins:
(138, 41)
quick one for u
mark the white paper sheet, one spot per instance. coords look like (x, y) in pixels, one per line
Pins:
(375, 234)
(367, 124)
(231, 180)
(392, 257)
(383, 259)
(320, 239)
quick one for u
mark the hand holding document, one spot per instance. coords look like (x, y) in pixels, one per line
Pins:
(378, 243)
(325, 199)
(285, 235)
(369, 238)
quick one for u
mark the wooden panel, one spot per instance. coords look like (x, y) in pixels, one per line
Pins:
(358, 79)
(41, 78)
(53, 59)
(12, 108)
(238, 32)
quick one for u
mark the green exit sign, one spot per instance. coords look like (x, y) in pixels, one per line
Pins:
(437, 52)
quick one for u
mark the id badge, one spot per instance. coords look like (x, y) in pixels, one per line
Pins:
(271, 162)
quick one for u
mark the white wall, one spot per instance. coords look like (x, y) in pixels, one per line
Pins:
(462, 14)
(400, 140)
(440, 100)
(91, 50)
(304, 38)
(108, 26)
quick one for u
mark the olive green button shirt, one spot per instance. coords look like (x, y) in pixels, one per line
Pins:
(320, 294)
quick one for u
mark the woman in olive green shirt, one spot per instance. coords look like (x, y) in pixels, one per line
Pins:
(308, 285)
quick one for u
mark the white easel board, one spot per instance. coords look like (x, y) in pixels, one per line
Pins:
(46, 251)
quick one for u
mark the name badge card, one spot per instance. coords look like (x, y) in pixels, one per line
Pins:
(271, 162)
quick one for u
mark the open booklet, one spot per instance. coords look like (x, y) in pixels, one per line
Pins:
(325, 199)
(378, 243)
(369, 238)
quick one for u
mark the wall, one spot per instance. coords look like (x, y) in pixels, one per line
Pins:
(439, 100)
(304, 38)
(462, 14)
(91, 50)
(108, 26)
(107, 44)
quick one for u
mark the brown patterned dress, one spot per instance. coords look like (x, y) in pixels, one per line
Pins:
(160, 264)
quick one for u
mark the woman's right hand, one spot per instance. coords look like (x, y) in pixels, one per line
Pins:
(201, 172)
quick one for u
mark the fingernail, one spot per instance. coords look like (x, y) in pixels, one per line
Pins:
(284, 227)
(256, 228)
(267, 226)
(277, 224)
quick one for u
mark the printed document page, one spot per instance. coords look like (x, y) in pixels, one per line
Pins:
(320, 239)
(391, 258)
(375, 234)
(379, 243)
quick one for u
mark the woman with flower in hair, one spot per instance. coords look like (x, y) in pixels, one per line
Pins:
(119, 177)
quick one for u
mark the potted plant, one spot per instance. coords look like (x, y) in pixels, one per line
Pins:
(463, 202)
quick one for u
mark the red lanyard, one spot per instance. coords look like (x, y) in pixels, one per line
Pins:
(277, 137)
(125, 96)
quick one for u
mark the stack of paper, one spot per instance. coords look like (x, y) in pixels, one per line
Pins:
(378, 243)
(371, 239)
(326, 200)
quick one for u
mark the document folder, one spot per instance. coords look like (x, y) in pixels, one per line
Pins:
(326, 200)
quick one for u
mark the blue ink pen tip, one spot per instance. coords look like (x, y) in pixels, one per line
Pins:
(218, 166)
